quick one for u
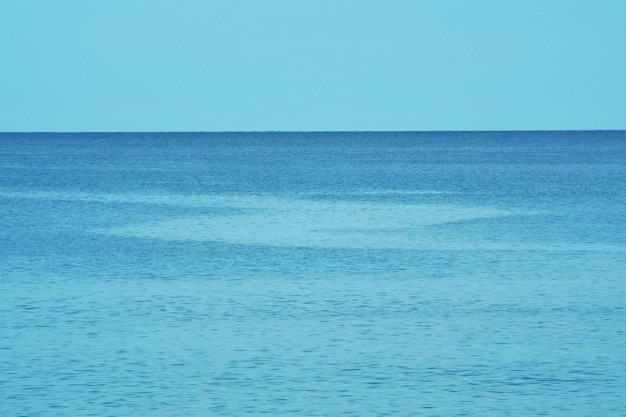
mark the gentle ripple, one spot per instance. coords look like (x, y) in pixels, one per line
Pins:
(438, 274)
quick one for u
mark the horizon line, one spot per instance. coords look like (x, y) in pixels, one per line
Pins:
(311, 131)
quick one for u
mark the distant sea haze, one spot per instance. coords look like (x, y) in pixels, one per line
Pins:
(313, 273)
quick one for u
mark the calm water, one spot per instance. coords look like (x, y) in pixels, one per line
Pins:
(317, 274)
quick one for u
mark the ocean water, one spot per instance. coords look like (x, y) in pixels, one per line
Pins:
(313, 274)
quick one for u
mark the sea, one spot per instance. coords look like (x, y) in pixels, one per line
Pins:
(313, 274)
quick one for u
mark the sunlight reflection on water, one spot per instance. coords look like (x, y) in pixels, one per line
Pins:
(292, 222)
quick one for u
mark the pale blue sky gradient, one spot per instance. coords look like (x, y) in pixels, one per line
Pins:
(200, 65)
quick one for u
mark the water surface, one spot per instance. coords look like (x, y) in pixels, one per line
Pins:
(314, 274)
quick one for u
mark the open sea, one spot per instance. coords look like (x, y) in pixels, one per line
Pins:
(313, 274)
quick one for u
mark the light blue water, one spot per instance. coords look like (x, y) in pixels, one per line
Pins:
(318, 274)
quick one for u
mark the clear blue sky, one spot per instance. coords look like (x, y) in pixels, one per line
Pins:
(202, 65)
